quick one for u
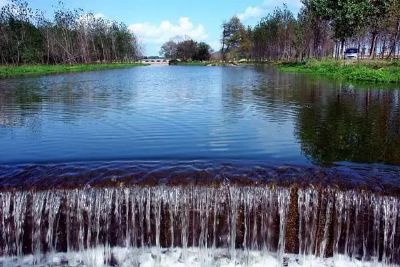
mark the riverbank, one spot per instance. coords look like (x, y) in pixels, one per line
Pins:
(29, 70)
(369, 71)
(213, 63)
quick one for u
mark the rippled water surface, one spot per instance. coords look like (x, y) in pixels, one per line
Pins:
(192, 113)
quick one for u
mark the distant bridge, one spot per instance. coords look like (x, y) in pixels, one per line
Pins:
(155, 61)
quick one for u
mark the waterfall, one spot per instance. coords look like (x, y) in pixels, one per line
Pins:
(276, 220)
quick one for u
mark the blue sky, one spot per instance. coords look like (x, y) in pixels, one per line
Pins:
(157, 21)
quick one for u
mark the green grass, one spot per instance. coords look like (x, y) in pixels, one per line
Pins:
(213, 63)
(28, 70)
(190, 63)
(193, 63)
(365, 70)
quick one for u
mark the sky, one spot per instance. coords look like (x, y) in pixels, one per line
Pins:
(157, 21)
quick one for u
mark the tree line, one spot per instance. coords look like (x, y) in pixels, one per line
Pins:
(71, 37)
(186, 50)
(322, 28)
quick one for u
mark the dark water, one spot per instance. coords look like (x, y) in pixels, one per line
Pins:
(231, 159)
(191, 113)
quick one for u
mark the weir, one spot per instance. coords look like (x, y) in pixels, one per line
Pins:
(232, 214)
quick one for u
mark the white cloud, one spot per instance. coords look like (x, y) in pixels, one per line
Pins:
(256, 12)
(157, 34)
(251, 12)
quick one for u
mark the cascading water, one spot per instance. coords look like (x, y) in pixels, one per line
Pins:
(226, 221)
(204, 217)
(359, 225)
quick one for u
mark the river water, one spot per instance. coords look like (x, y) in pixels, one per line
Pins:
(200, 166)
(192, 113)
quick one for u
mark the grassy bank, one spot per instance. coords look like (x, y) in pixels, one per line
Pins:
(28, 70)
(188, 63)
(213, 63)
(365, 70)
(193, 63)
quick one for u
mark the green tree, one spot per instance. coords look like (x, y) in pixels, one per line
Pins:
(393, 24)
(27, 37)
(203, 52)
(274, 36)
(376, 11)
(231, 37)
(186, 49)
(347, 17)
(246, 44)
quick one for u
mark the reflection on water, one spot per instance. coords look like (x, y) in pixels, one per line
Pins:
(197, 113)
(352, 125)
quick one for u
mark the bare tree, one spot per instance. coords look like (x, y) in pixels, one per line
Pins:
(73, 36)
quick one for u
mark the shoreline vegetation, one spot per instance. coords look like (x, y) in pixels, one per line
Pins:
(33, 70)
(372, 71)
(208, 63)
(363, 70)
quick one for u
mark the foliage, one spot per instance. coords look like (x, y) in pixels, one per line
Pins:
(28, 70)
(274, 35)
(234, 38)
(186, 50)
(346, 16)
(202, 52)
(374, 71)
(322, 28)
(72, 37)
(169, 49)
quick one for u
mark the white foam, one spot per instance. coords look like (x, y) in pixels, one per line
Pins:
(177, 257)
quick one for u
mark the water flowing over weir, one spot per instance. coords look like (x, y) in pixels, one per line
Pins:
(277, 211)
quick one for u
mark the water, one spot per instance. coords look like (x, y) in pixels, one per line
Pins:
(192, 113)
(242, 220)
(198, 166)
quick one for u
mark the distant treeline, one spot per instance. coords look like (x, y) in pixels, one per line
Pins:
(186, 50)
(72, 36)
(322, 28)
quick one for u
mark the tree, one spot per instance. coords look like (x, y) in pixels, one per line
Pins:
(21, 41)
(274, 36)
(314, 31)
(203, 52)
(346, 17)
(322, 28)
(169, 50)
(393, 24)
(186, 49)
(246, 43)
(376, 11)
(231, 37)
(27, 37)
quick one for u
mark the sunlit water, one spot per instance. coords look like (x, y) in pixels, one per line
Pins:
(198, 166)
(190, 113)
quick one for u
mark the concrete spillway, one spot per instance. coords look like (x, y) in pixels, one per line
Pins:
(283, 215)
